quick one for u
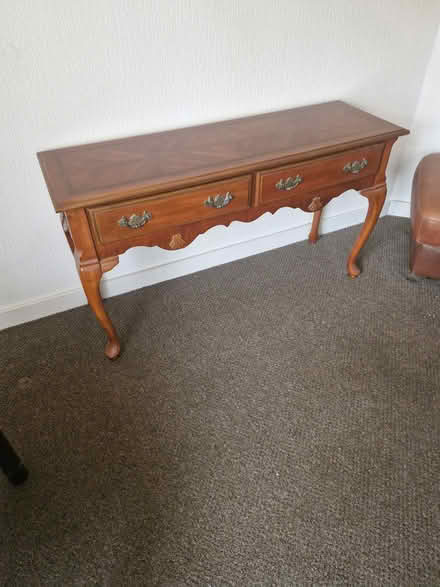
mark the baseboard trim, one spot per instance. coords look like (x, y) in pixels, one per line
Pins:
(39, 307)
(399, 208)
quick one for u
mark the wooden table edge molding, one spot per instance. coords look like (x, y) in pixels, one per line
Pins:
(167, 188)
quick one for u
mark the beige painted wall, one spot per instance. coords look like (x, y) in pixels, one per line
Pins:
(425, 135)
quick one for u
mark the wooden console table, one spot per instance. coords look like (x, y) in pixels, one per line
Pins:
(166, 188)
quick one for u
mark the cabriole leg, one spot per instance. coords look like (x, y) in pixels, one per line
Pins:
(90, 270)
(90, 276)
(376, 198)
(314, 234)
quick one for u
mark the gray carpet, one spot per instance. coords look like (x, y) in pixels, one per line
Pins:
(270, 422)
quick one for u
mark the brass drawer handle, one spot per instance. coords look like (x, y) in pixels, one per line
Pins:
(219, 201)
(355, 166)
(288, 184)
(135, 221)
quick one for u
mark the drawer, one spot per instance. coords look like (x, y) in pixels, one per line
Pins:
(302, 178)
(126, 220)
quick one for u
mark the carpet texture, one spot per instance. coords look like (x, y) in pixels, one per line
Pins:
(270, 422)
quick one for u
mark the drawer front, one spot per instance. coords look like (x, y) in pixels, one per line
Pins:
(302, 178)
(132, 219)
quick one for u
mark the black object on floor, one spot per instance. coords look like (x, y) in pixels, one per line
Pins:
(10, 462)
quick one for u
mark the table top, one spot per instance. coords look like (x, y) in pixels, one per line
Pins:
(113, 170)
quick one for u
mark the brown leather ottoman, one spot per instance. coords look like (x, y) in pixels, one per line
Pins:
(425, 218)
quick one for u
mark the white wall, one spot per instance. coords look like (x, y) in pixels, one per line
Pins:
(80, 71)
(424, 138)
